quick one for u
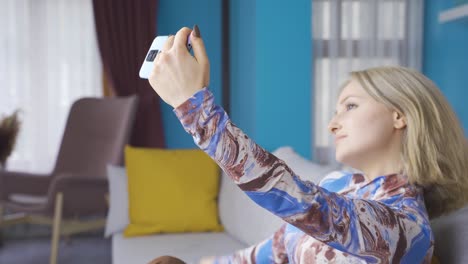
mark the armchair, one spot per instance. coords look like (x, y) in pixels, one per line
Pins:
(96, 132)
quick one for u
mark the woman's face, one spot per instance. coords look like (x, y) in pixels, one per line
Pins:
(363, 128)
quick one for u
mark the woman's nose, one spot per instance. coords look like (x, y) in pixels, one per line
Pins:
(333, 126)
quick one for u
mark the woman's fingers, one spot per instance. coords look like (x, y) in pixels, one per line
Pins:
(180, 41)
(166, 47)
(198, 46)
(169, 43)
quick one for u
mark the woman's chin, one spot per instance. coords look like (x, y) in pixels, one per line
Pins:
(345, 159)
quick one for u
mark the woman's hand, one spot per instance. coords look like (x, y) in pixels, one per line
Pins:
(177, 75)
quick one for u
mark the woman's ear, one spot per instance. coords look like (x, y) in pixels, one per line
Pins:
(399, 120)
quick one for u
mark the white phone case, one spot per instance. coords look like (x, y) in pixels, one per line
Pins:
(156, 46)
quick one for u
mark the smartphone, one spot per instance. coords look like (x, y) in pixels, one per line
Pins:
(156, 46)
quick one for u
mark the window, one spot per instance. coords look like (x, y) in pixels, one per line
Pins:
(49, 59)
(351, 35)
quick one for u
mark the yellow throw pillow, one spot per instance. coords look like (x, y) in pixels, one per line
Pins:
(171, 191)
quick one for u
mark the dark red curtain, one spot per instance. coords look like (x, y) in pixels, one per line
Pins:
(125, 30)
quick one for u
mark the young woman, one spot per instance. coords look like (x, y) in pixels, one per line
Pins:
(391, 123)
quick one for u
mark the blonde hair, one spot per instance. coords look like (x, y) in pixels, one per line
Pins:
(434, 152)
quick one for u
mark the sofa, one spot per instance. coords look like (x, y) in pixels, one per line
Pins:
(245, 223)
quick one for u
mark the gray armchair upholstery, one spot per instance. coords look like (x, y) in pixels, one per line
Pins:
(96, 132)
(95, 135)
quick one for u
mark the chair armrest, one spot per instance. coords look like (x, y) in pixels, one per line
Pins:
(83, 195)
(24, 183)
(69, 181)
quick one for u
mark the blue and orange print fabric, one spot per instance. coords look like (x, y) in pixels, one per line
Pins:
(344, 219)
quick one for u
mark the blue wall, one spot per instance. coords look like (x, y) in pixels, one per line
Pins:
(242, 53)
(270, 67)
(173, 15)
(271, 72)
(283, 74)
(446, 56)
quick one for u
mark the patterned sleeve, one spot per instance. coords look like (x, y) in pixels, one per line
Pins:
(271, 251)
(367, 229)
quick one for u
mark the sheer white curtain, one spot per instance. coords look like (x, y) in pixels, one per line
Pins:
(49, 59)
(350, 35)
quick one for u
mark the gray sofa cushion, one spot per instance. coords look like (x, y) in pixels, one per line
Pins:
(451, 237)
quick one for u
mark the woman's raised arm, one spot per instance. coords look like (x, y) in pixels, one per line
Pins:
(375, 231)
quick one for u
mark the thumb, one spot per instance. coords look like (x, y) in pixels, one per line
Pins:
(198, 46)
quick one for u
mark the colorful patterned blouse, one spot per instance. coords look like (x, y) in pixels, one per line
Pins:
(343, 220)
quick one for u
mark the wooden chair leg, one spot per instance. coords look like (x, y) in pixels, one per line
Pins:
(56, 228)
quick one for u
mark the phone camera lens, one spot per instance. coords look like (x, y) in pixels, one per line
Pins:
(151, 55)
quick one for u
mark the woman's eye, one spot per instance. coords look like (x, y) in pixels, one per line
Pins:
(349, 106)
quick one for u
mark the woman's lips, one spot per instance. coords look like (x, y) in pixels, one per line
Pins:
(338, 138)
